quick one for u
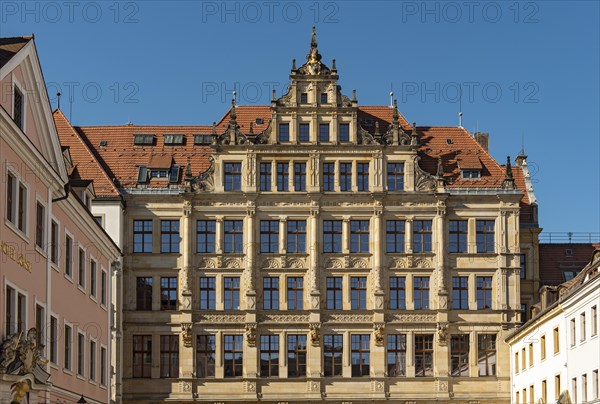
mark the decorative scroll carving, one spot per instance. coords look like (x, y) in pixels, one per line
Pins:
(365, 137)
(359, 263)
(249, 386)
(235, 263)
(400, 262)
(284, 318)
(23, 355)
(379, 333)
(315, 333)
(423, 263)
(349, 318)
(424, 182)
(250, 331)
(442, 334)
(186, 334)
(263, 137)
(296, 263)
(410, 318)
(207, 263)
(335, 263)
(185, 387)
(272, 263)
(223, 318)
(205, 181)
(286, 99)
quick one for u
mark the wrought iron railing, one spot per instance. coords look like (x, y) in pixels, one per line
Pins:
(569, 237)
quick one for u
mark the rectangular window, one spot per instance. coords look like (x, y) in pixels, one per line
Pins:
(323, 98)
(300, 177)
(68, 256)
(231, 293)
(523, 360)
(284, 132)
(359, 236)
(93, 278)
(595, 386)
(574, 388)
(296, 355)
(332, 355)
(169, 236)
(424, 355)
(397, 293)
(328, 176)
(523, 313)
(362, 178)
(556, 341)
(296, 236)
(8, 310)
(208, 293)
(361, 354)
(543, 347)
(168, 293)
(395, 176)
(531, 394)
(68, 353)
(169, 356)
(92, 360)
(205, 236)
(233, 355)
(594, 315)
(395, 236)
(332, 236)
(202, 140)
(460, 292)
(269, 355)
(422, 236)
(486, 354)
(523, 266)
(457, 236)
(103, 288)
(485, 236)
(233, 176)
(584, 387)
(53, 340)
(517, 398)
(142, 236)
(345, 177)
(517, 362)
(324, 132)
(304, 132)
(102, 366)
(459, 355)
(205, 356)
(421, 292)
(304, 98)
(21, 313)
(283, 177)
(22, 209)
(582, 327)
(358, 292)
(344, 132)
(18, 105)
(40, 324)
(80, 354)
(143, 293)
(271, 293)
(81, 268)
(54, 242)
(143, 139)
(269, 236)
(484, 292)
(173, 139)
(265, 176)
(530, 354)
(557, 386)
(295, 292)
(11, 183)
(396, 355)
(142, 355)
(234, 236)
(544, 392)
(40, 225)
(334, 292)
(573, 332)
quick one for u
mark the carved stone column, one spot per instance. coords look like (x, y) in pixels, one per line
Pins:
(377, 172)
(313, 268)
(441, 256)
(248, 276)
(185, 273)
(314, 170)
(186, 354)
(377, 249)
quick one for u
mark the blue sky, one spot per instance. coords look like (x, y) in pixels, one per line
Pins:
(528, 70)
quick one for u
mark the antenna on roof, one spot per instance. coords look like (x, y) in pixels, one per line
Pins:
(391, 95)
(234, 97)
(70, 106)
(522, 143)
(460, 114)
(58, 98)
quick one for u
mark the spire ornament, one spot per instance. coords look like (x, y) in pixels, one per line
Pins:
(509, 181)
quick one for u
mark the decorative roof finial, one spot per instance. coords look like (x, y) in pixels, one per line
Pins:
(354, 95)
(188, 169)
(214, 128)
(440, 168)
(273, 95)
(232, 114)
(293, 65)
(414, 130)
(313, 56)
(509, 181)
(251, 127)
(414, 136)
(395, 115)
(509, 173)
(333, 67)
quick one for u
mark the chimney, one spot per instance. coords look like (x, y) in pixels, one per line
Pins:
(483, 138)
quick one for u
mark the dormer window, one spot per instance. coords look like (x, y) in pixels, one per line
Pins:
(18, 103)
(368, 122)
(173, 139)
(142, 139)
(304, 98)
(155, 173)
(260, 121)
(202, 140)
(471, 173)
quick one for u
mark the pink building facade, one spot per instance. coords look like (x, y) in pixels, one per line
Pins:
(56, 261)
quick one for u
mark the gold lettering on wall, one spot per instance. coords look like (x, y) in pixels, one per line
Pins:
(20, 259)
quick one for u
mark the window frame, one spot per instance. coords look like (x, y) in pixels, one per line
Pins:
(296, 236)
(207, 292)
(265, 176)
(459, 355)
(360, 348)
(358, 292)
(461, 291)
(143, 296)
(206, 354)
(345, 174)
(143, 230)
(269, 236)
(423, 355)
(283, 176)
(169, 349)
(206, 236)
(332, 354)
(168, 303)
(237, 355)
(395, 178)
(233, 236)
(397, 286)
(284, 139)
(143, 369)
(490, 351)
(334, 292)
(328, 176)
(324, 128)
(170, 236)
(484, 237)
(422, 231)
(297, 354)
(232, 176)
(271, 292)
(332, 236)
(421, 288)
(231, 292)
(295, 292)
(304, 132)
(458, 236)
(300, 176)
(359, 236)
(484, 289)
(269, 351)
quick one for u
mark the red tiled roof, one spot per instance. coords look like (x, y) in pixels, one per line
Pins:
(9, 47)
(554, 261)
(85, 164)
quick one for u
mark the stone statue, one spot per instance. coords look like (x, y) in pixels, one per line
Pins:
(442, 332)
(251, 334)
(9, 351)
(315, 334)
(379, 333)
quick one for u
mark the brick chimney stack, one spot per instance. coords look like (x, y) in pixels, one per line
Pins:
(483, 138)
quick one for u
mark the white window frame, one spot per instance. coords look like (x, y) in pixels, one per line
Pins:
(52, 246)
(15, 307)
(93, 365)
(17, 83)
(81, 275)
(69, 369)
(94, 290)
(44, 247)
(67, 233)
(13, 222)
(103, 372)
(104, 287)
(53, 344)
(80, 372)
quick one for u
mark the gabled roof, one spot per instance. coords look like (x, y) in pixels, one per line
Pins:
(10, 46)
(85, 164)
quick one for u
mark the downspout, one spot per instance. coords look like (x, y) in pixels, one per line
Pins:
(67, 188)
